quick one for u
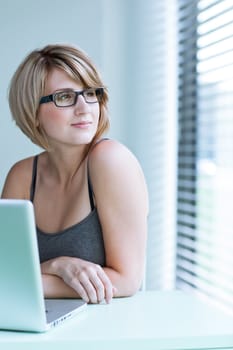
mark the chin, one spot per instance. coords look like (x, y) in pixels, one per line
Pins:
(84, 140)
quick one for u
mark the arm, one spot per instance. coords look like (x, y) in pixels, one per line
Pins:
(68, 277)
(17, 180)
(122, 203)
(55, 287)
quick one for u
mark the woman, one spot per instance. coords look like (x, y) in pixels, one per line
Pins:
(89, 193)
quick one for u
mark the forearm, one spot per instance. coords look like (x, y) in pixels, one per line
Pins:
(55, 287)
(68, 284)
(70, 277)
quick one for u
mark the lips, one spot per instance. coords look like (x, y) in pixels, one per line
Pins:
(81, 124)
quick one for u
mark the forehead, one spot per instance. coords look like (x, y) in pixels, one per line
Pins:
(57, 79)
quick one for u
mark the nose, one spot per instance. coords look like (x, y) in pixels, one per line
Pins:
(81, 105)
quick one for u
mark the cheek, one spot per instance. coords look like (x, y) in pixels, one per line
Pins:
(97, 113)
(49, 119)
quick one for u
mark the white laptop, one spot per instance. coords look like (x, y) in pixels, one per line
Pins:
(22, 305)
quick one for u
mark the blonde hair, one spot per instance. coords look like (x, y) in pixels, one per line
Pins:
(28, 85)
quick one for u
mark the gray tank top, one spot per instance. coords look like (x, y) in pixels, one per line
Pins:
(83, 240)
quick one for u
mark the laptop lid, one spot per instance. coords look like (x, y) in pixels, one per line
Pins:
(22, 305)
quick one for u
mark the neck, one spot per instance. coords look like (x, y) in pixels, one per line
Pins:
(64, 164)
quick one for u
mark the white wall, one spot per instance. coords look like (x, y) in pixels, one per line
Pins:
(26, 25)
(144, 59)
(129, 40)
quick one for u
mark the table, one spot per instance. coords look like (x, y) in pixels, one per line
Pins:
(149, 320)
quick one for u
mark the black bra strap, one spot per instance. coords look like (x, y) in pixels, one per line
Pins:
(34, 173)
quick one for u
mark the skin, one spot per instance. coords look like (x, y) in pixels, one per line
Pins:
(61, 200)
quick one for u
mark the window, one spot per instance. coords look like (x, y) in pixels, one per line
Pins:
(205, 150)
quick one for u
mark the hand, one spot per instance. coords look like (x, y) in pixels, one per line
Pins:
(87, 279)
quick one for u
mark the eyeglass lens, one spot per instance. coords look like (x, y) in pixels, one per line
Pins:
(69, 97)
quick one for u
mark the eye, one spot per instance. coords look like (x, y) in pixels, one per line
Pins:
(64, 97)
(90, 93)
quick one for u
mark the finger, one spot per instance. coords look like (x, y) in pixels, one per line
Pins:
(77, 286)
(98, 285)
(89, 287)
(108, 287)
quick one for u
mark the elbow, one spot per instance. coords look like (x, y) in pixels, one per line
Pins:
(129, 287)
(135, 286)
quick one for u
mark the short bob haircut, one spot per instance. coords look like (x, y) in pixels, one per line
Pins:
(28, 86)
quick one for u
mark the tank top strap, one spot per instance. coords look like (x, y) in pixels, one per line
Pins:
(33, 183)
(90, 189)
(34, 174)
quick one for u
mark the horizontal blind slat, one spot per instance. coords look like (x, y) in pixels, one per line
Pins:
(204, 228)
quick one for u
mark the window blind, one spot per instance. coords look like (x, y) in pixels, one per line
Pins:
(205, 150)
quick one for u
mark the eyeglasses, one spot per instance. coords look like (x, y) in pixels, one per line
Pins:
(67, 98)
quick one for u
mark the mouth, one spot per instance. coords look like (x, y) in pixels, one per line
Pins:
(81, 125)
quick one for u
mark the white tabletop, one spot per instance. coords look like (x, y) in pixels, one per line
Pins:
(148, 320)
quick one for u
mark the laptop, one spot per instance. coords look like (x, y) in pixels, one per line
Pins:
(22, 304)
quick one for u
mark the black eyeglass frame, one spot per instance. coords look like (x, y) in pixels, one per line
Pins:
(52, 98)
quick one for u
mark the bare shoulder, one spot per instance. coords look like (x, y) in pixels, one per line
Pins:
(18, 180)
(110, 154)
(116, 171)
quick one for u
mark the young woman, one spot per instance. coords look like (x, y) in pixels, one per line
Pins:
(89, 192)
